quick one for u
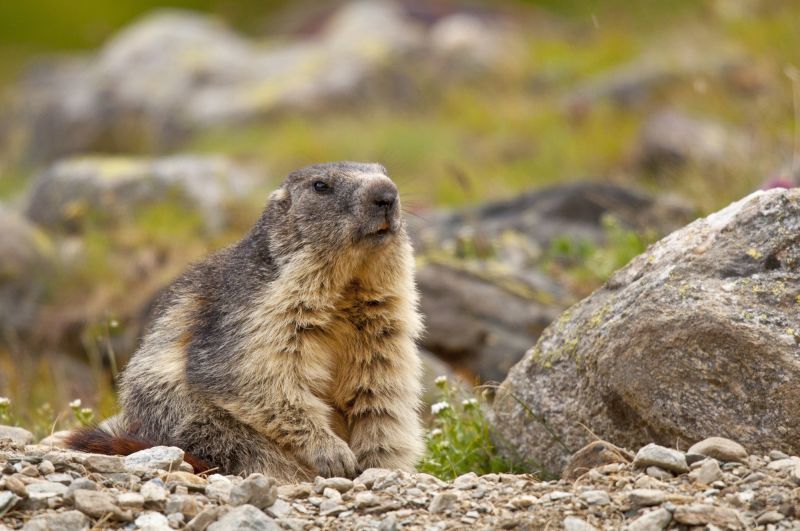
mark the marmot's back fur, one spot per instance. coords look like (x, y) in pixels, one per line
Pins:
(292, 352)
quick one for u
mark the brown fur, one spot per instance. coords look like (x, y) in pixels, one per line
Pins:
(292, 353)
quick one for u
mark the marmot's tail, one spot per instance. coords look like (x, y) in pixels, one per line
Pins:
(98, 441)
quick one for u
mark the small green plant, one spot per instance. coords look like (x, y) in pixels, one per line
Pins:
(84, 415)
(459, 440)
(586, 265)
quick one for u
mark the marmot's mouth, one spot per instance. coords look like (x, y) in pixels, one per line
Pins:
(382, 231)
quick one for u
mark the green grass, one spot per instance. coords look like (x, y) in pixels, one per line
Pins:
(584, 266)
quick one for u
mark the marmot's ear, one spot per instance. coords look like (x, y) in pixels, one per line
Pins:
(280, 197)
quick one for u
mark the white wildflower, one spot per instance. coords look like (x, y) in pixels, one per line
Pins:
(75, 404)
(470, 403)
(438, 407)
(435, 432)
(4, 402)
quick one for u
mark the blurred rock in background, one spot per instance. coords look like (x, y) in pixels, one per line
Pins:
(173, 72)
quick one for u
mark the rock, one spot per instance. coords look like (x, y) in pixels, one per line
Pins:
(130, 500)
(795, 474)
(15, 485)
(477, 323)
(281, 509)
(16, 435)
(78, 484)
(154, 493)
(99, 505)
(187, 479)
(339, 484)
(65, 521)
(370, 476)
(219, 488)
(102, 463)
(63, 478)
(206, 517)
(704, 514)
(25, 258)
(293, 491)
(708, 303)
(57, 439)
(157, 457)
(592, 455)
(719, 448)
(777, 455)
(7, 501)
(257, 490)
(666, 458)
(442, 502)
(245, 517)
(523, 502)
(467, 44)
(152, 521)
(387, 480)
(645, 498)
(770, 517)
(574, 210)
(466, 481)
(176, 520)
(46, 468)
(573, 523)
(670, 139)
(595, 497)
(331, 508)
(658, 473)
(46, 489)
(651, 521)
(366, 499)
(207, 77)
(784, 464)
(113, 189)
(111, 99)
(186, 504)
(664, 63)
(709, 472)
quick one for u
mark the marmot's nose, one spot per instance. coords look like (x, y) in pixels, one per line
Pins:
(386, 200)
(384, 196)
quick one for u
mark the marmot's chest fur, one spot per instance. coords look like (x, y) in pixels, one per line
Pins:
(291, 353)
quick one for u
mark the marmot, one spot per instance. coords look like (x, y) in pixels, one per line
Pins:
(292, 352)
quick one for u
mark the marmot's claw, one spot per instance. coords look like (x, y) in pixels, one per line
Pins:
(335, 459)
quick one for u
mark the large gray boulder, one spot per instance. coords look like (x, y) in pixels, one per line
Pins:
(110, 189)
(697, 337)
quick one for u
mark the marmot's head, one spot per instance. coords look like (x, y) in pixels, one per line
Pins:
(337, 204)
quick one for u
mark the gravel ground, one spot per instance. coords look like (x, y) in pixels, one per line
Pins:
(716, 486)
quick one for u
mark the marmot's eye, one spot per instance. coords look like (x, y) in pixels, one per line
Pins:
(320, 186)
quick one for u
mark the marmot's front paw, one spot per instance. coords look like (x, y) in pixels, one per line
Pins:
(333, 458)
